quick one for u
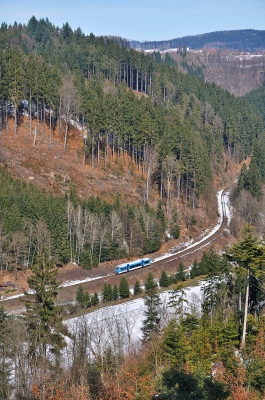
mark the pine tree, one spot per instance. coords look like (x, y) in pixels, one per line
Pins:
(124, 288)
(254, 180)
(242, 179)
(249, 254)
(32, 25)
(160, 215)
(150, 282)
(195, 270)
(211, 262)
(175, 345)
(210, 300)
(137, 288)
(87, 300)
(110, 292)
(203, 264)
(15, 80)
(152, 311)
(43, 318)
(164, 280)
(115, 292)
(95, 299)
(105, 293)
(181, 275)
(177, 301)
(80, 296)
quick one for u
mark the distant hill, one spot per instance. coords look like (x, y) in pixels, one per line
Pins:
(245, 40)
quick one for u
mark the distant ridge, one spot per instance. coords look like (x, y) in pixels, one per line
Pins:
(245, 40)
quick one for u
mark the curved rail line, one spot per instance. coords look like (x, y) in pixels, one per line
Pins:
(207, 239)
(175, 255)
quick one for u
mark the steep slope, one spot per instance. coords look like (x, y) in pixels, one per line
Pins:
(127, 149)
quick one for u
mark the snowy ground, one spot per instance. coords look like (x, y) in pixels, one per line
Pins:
(122, 323)
(119, 326)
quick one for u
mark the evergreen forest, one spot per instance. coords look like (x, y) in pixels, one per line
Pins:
(173, 126)
(179, 133)
(209, 348)
(243, 39)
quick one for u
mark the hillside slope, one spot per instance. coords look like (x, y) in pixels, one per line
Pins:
(244, 39)
(146, 165)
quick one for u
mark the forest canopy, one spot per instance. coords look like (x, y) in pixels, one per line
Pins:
(175, 127)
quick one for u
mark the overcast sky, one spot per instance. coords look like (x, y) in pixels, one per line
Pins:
(141, 19)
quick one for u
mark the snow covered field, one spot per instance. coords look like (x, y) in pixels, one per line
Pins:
(119, 326)
(122, 323)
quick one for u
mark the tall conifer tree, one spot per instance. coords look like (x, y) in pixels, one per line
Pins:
(43, 319)
(152, 311)
(124, 288)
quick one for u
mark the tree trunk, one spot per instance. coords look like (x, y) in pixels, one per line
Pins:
(44, 120)
(15, 128)
(107, 153)
(92, 150)
(30, 112)
(7, 120)
(1, 119)
(37, 113)
(60, 106)
(50, 125)
(98, 147)
(161, 184)
(168, 198)
(65, 135)
(35, 136)
(243, 341)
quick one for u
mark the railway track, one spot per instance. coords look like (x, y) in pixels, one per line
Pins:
(223, 224)
(165, 261)
(177, 254)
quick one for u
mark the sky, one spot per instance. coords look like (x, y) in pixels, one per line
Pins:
(141, 19)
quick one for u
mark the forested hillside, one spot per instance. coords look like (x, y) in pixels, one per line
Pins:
(235, 71)
(245, 40)
(233, 60)
(174, 128)
(156, 142)
(257, 99)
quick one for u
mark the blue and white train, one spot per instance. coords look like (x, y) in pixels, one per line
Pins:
(130, 266)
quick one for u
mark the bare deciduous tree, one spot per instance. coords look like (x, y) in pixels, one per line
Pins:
(169, 167)
(103, 229)
(93, 233)
(18, 345)
(18, 248)
(42, 237)
(69, 103)
(70, 228)
(115, 225)
(3, 238)
(150, 161)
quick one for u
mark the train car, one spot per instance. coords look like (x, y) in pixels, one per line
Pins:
(130, 266)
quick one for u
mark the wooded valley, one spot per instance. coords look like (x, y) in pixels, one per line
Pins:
(179, 136)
